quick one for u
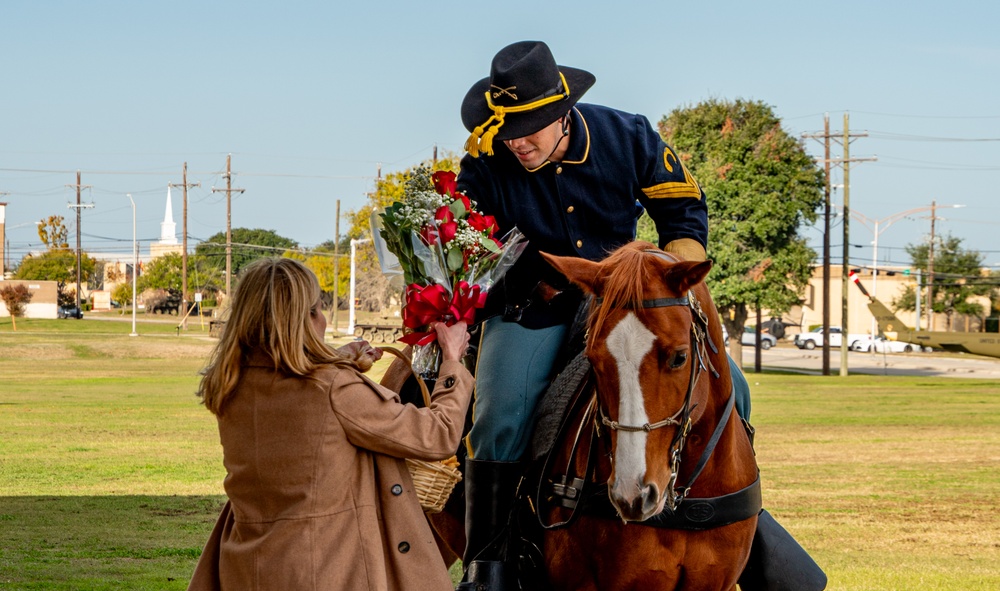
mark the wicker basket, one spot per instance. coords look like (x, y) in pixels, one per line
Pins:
(432, 481)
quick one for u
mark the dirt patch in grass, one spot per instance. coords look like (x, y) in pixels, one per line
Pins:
(153, 348)
(37, 352)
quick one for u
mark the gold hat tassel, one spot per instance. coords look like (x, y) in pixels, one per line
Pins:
(481, 140)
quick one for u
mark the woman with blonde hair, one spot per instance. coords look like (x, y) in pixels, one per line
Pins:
(319, 493)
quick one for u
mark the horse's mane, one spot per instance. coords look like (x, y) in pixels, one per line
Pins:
(623, 287)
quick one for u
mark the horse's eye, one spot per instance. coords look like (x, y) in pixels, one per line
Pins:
(678, 359)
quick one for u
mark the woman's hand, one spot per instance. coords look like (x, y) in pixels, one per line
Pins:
(454, 339)
(362, 353)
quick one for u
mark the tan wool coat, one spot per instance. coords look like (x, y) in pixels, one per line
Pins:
(319, 498)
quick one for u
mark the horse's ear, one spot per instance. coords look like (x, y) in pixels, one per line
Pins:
(580, 271)
(687, 274)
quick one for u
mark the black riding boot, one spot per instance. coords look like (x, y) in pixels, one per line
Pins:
(489, 497)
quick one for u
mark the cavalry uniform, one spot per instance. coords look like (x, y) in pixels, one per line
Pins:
(587, 205)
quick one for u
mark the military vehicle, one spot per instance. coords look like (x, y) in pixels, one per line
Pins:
(977, 343)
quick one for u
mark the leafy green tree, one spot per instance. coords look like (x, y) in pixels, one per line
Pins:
(995, 294)
(247, 246)
(15, 297)
(958, 277)
(204, 278)
(761, 187)
(57, 265)
(122, 293)
(163, 272)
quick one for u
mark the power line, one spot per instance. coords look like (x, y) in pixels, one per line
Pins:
(886, 135)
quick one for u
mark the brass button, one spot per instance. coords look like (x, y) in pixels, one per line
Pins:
(396, 489)
(569, 209)
(404, 547)
(559, 170)
(579, 243)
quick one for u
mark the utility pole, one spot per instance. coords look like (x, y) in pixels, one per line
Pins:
(229, 221)
(5, 259)
(826, 240)
(184, 242)
(78, 206)
(845, 163)
(845, 284)
(930, 272)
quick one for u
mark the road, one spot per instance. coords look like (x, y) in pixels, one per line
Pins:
(789, 357)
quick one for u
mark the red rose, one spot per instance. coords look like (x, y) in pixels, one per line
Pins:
(447, 231)
(444, 214)
(483, 223)
(444, 182)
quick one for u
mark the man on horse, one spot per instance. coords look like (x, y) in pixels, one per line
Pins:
(574, 178)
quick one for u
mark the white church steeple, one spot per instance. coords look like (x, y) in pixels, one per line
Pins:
(168, 229)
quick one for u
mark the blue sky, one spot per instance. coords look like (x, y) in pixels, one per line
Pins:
(312, 98)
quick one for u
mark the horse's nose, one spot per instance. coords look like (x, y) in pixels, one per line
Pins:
(650, 501)
(641, 506)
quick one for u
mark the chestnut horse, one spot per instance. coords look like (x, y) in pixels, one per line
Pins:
(652, 483)
(675, 490)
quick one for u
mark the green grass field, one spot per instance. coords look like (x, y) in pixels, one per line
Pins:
(111, 473)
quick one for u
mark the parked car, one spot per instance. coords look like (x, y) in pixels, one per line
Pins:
(814, 338)
(69, 312)
(750, 338)
(883, 345)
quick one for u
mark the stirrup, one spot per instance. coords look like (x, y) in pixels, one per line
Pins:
(487, 575)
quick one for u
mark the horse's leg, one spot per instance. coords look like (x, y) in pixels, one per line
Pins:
(448, 527)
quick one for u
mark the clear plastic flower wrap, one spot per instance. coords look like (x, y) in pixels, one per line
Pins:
(449, 256)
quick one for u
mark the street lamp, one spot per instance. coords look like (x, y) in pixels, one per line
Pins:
(135, 266)
(350, 316)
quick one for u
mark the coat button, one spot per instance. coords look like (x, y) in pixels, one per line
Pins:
(396, 489)
(579, 243)
(404, 547)
(559, 170)
(449, 382)
(569, 209)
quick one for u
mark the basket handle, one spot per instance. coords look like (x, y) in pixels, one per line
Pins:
(409, 363)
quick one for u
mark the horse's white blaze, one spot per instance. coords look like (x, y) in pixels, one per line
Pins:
(629, 343)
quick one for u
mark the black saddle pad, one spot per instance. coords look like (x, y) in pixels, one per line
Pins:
(554, 403)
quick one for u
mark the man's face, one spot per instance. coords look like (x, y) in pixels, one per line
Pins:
(532, 151)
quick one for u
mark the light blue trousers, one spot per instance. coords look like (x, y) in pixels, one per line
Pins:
(514, 368)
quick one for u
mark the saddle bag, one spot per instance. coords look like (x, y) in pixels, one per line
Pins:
(778, 563)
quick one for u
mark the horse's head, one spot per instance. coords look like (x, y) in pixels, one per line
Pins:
(646, 342)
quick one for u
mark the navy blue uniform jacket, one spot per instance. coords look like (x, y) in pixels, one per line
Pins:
(585, 206)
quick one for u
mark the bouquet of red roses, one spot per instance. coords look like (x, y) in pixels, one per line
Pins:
(449, 254)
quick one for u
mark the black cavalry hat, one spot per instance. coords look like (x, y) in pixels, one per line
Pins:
(525, 91)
